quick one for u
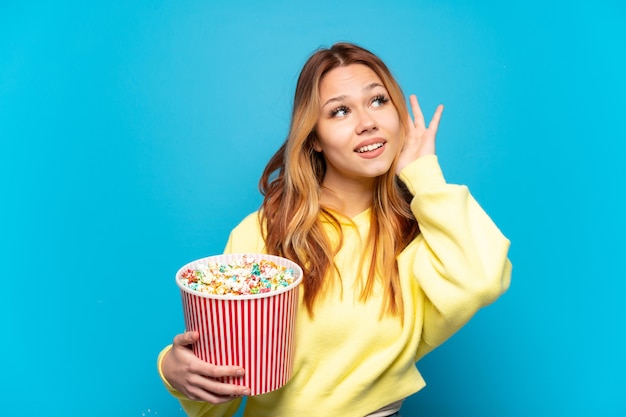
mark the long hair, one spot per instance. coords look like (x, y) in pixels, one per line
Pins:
(291, 214)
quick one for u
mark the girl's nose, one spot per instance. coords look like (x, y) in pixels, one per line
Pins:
(365, 123)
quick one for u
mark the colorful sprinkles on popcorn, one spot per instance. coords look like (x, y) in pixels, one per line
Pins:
(244, 276)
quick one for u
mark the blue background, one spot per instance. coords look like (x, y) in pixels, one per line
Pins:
(133, 135)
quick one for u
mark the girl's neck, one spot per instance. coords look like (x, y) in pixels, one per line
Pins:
(346, 198)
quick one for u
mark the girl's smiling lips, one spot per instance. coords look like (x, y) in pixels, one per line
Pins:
(370, 148)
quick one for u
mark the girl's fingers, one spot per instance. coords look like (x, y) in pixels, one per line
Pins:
(418, 117)
(214, 371)
(213, 391)
(218, 388)
(434, 122)
(186, 339)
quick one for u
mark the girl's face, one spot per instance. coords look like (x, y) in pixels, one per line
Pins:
(358, 128)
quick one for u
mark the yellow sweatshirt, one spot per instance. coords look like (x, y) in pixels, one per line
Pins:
(349, 361)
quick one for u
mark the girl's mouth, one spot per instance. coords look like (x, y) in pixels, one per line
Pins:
(370, 147)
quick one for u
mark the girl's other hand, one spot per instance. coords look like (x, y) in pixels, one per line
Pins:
(195, 378)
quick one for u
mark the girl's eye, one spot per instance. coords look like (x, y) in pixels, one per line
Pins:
(379, 101)
(340, 111)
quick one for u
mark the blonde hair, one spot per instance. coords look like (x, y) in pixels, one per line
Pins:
(291, 211)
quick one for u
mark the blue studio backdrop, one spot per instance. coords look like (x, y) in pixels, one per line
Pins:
(133, 134)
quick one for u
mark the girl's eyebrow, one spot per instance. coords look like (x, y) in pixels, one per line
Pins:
(342, 97)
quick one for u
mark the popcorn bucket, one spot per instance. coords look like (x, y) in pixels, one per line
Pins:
(254, 331)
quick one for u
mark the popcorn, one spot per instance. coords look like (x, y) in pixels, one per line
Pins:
(244, 276)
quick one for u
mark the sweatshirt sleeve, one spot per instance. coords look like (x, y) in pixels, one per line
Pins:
(246, 237)
(459, 260)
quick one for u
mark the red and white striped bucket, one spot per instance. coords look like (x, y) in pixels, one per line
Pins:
(255, 332)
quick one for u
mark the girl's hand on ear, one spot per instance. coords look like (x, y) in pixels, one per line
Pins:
(420, 140)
